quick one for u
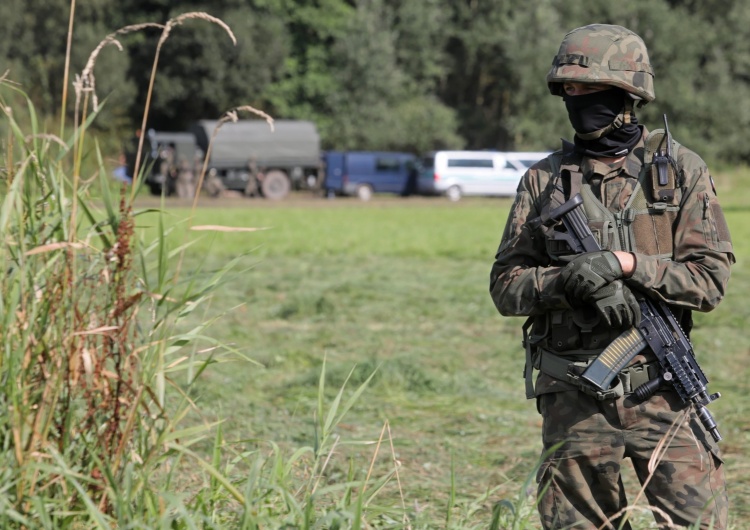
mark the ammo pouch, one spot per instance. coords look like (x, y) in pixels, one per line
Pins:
(579, 329)
(566, 330)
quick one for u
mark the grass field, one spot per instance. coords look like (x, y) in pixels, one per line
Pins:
(398, 287)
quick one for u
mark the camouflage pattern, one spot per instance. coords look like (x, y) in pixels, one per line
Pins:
(605, 54)
(580, 485)
(526, 281)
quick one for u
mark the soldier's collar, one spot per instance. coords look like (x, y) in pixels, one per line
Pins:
(629, 167)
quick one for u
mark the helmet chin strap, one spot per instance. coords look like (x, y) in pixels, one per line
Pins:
(622, 118)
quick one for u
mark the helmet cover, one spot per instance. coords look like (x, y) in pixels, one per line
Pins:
(603, 54)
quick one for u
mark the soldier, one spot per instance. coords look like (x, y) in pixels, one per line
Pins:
(664, 240)
(185, 179)
(168, 167)
(213, 185)
(254, 175)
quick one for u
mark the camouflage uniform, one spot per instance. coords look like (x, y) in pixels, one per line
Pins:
(185, 180)
(683, 254)
(168, 168)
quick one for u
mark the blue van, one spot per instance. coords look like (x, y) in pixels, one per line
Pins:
(362, 173)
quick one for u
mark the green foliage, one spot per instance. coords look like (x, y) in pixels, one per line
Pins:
(203, 74)
(410, 76)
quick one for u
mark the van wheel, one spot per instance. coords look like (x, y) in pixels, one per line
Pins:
(364, 192)
(453, 193)
(275, 185)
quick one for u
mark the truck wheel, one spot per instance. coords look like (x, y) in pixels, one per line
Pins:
(364, 192)
(275, 185)
(453, 193)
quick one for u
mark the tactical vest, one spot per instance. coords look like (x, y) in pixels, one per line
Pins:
(644, 226)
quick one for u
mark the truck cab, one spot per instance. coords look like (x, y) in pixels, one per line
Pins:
(164, 151)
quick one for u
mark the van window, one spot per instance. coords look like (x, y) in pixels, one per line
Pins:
(509, 165)
(470, 162)
(428, 162)
(387, 164)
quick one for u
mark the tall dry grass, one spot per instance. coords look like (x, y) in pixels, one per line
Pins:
(98, 360)
(90, 320)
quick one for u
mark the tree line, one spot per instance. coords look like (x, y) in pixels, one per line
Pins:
(387, 74)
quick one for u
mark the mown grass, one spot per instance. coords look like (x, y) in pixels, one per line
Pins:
(399, 288)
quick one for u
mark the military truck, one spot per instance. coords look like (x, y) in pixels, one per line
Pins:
(245, 156)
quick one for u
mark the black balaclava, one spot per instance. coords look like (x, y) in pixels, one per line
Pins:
(604, 122)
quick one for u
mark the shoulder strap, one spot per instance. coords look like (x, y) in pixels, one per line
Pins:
(565, 181)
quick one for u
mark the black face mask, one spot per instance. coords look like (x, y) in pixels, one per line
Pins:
(589, 113)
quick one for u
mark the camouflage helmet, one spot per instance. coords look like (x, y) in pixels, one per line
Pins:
(604, 54)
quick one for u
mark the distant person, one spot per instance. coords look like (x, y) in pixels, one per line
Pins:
(411, 180)
(168, 167)
(130, 151)
(185, 179)
(120, 172)
(665, 239)
(198, 162)
(255, 175)
(213, 185)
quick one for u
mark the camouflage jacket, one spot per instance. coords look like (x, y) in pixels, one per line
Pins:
(525, 281)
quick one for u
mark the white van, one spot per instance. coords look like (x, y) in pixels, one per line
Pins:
(458, 173)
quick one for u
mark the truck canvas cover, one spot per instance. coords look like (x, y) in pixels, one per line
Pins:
(290, 143)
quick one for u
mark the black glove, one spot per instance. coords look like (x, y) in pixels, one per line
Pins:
(590, 272)
(617, 305)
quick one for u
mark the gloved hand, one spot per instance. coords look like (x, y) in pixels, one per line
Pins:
(617, 305)
(590, 272)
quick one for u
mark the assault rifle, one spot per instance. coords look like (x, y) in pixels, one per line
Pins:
(658, 329)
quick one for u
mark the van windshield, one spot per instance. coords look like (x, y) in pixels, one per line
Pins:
(470, 162)
(428, 162)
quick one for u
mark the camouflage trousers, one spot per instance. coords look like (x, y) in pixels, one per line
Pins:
(580, 484)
